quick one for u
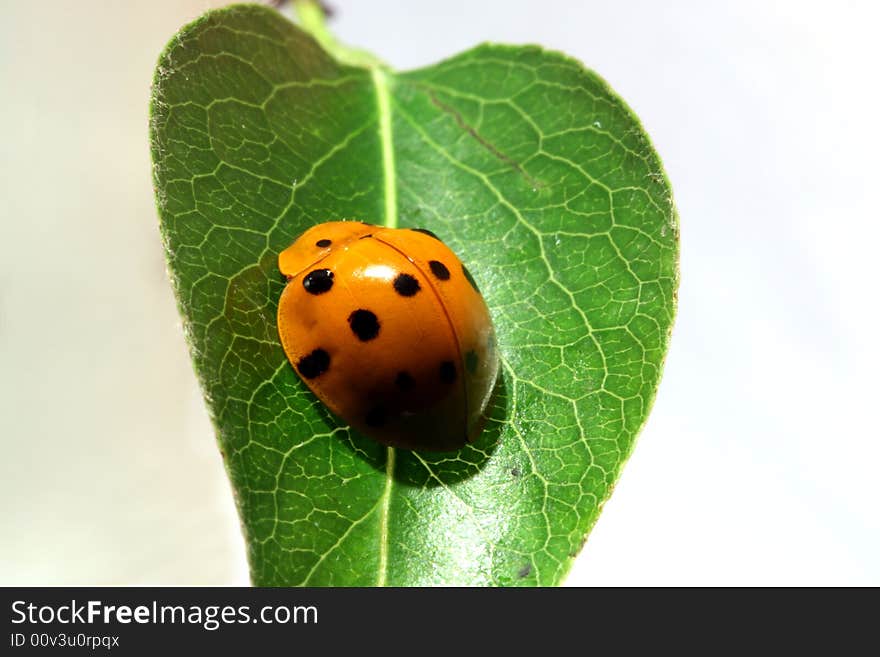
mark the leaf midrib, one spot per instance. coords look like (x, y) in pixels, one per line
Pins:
(383, 111)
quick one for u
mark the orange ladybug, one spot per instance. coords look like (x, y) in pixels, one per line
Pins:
(389, 330)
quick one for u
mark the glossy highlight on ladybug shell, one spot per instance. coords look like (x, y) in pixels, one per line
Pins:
(389, 330)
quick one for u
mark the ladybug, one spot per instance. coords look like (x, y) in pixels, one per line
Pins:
(388, 328)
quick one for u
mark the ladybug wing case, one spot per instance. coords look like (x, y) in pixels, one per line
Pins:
(466, 311)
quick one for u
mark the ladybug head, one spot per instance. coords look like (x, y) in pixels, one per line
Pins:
(318, 242)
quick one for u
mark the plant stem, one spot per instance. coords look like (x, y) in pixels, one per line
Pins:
(312, 20)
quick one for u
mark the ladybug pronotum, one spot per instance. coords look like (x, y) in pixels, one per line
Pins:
(388, 329)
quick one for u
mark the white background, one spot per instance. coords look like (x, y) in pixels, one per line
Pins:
(758, 464)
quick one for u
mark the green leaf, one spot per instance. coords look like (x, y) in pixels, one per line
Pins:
(543, 182)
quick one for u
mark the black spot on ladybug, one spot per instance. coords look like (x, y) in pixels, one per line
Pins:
(525, 570)
(323, 243)
(470, 279)
(314, 364)
(404, 381)
(427, 232)
(364, 324)
(376, 417)
(471, 361)
(406, 285)
(363, 237)
(318, 281)
(447, 372)
(439, 270)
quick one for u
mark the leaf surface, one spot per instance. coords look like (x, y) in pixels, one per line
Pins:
(544, 183)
